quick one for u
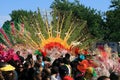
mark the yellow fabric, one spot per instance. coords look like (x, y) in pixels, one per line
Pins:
(7, 68)
(90, 70)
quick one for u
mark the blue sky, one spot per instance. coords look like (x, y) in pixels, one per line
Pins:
(7, 6)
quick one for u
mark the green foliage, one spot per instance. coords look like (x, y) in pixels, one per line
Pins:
(54, 22)
(88, 23)
(1, 39)
(32, 21)
(16, 15)
(7, 29)
(113, 22)
(76, 28)
(115, 4)
(93, 18)
(66, 25)
(42, 23)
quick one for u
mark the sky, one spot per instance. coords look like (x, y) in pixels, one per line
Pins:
(7, 6)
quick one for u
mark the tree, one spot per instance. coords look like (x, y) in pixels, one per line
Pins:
(115, 4)
(17, 15)
(94, 19)
(113, 22)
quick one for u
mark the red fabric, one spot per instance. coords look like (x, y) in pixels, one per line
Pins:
(9, 55)
(77, 51)
(54, 44)
(68, 78)
(2, 47)
(4, 35)
(12, 55)
(85, 52)
(101, 47)
(104, 55)
(85, 62)
(12, 28)
(15, 57)
(82, 66)
(119, 60)
(43, 53)
(92, 63)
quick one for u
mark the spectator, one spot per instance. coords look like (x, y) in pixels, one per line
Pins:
(20, 57)
(64, 73)
(7, 71)
(114, 76)
(55, 73)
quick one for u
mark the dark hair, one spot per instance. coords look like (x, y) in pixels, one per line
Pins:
(26, 64)
(36, 69)
(29, 56)
(45, 74)
(2, 64)
(63, 70)
(18, 52)
(57, 62)
(38, 57)
(54, 70)
(102, 77)
(20, 65)
(66, 61)
(80, 78)
(46, 59)
(67, 55)
(114, 76)
(7, 76)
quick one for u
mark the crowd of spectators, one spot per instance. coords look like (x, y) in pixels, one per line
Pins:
(62, 68)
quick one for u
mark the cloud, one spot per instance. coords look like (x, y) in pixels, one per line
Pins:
(3, 19)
